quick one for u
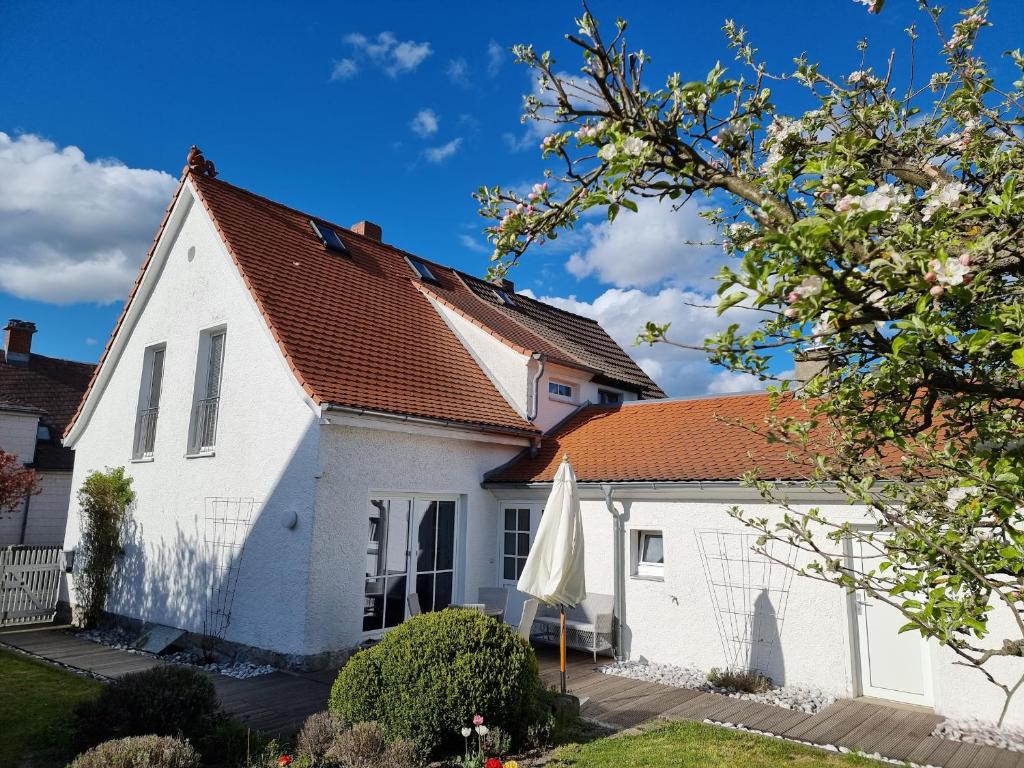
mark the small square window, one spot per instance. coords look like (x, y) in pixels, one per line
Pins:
(329, 237)
(558, 389)
(609, 396)
(649, 551)
(421, 269)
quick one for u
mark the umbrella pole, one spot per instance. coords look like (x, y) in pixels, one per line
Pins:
(561, 643)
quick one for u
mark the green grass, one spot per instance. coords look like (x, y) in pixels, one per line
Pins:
(693, 745)
(36, 705)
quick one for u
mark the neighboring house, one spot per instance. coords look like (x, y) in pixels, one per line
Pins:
(38, 396)
(319, 425)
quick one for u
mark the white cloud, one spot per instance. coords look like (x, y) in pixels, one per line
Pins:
(732, 382)
(623, 313)
(579, 93)
(91, 341)
(458, 72)
(648, 247)
(425, 122)
(443, 152)
(385, 51)
(473, 244)
(72, 229)
(344, 69)
(495, 58)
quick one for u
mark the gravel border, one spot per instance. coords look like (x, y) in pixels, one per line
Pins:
(797, 698)
(982, 732)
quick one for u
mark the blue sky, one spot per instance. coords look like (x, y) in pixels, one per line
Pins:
(312, 106)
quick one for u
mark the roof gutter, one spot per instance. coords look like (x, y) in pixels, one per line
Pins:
(429, 421)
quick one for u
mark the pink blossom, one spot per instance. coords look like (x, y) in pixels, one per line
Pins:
(937, 290)
(478, 719)
(793, 297)
(965, 260)
(790, 312)
(930, 277)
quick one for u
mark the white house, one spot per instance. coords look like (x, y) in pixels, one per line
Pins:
(319, 425)
(38, 396)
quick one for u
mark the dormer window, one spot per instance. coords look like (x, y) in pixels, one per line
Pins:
(329, 237)
(560, 390)
(43, 433)
(609, 397)
(421, 269)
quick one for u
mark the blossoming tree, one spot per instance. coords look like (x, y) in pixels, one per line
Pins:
(17, 482)
(882, 228)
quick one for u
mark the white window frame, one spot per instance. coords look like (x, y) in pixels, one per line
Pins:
(458, 570)
(573, 390)
(535, 511)
(646, 569)
(145, 408)
(200, 391)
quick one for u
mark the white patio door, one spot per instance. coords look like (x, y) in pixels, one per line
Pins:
(893, 665)
(411, 549)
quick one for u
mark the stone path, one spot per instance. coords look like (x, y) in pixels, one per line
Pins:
(278, 703)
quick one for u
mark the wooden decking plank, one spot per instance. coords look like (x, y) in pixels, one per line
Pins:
(963, 756)
(991, 757)
(841, 722)
(736, 712)
(855, 738)
(829, 714)
(886, 731)
(780, 720)
(921, 753)
(645, 708)
(755, 712)
(691, 710)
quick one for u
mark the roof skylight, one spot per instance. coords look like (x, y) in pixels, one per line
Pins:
(422, 269)
(329, 237)
(504, 297)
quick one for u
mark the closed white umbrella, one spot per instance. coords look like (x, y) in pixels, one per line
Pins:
(554, 568)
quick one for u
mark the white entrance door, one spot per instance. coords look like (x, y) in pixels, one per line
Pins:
(893, 665)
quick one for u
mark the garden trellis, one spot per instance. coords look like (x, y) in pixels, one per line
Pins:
(226, 529)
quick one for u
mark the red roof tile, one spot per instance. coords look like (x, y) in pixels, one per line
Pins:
(662, 441)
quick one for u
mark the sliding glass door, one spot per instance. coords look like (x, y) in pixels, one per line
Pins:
(411, 550)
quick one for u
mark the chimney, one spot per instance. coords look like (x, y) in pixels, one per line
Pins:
(368, 229)
(18, 340)
(504, 284)
(809, 363)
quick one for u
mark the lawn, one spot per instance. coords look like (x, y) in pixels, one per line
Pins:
(36, 703)
(689, 745)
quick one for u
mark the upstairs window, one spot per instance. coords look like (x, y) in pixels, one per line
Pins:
(329, 237)
(149, 403)
(560, 390)
(609, 396)
(206, 399)
(421, 269)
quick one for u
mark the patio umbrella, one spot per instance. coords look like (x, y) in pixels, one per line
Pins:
(554, 568)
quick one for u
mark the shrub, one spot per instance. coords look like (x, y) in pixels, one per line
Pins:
(140, 752)
(317, 739)
(427, 677)
(366, 746)
(168, 700)
(747, 680)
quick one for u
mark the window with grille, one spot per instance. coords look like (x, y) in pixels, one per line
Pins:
(206, 401)
(517, 540)
(149, 403)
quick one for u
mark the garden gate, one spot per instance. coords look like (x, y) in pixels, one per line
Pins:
(29, 584)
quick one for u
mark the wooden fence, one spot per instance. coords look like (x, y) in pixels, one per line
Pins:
(29, 584)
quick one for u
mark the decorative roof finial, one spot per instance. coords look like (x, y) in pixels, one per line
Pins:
(199, 164)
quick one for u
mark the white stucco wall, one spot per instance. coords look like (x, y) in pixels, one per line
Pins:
(360, 462)
(266, 450)
(673, 621)
(553, 409)
(18, 434)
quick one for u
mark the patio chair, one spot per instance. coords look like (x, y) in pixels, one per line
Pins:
(588, 625)
(414, 605)
(495, 598)
(529, 614)
(478, 607)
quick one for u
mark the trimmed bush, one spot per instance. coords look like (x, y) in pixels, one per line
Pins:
(317, 738)
(167, 700)
(140, 752)
(428, 676)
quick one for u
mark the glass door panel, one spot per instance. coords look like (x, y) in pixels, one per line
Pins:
(435, 554)
(387, 563)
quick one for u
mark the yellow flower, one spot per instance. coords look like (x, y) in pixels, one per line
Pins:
(510, 764)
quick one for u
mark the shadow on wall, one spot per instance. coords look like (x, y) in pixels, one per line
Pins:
(765, 641)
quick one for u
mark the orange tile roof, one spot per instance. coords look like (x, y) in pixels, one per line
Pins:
(661, 441)
(358, 330)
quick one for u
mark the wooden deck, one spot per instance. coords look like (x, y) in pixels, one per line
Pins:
(280, 702)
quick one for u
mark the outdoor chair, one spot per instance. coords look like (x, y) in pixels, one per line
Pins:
(495, 598)
(588, 626)
(525, 627)
(414, 605)
(478, 607)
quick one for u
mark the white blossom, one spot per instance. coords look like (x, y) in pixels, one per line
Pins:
(607, 152)
(634, 146)
(950, 271)
(811, 286)
(944, 196)
(881, 198)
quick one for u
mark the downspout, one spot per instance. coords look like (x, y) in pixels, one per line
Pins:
(618, 570)
(534, 395)
(24, 520)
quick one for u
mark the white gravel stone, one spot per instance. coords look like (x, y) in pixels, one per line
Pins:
(982, 732)
(801, 699)
(120, 640)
